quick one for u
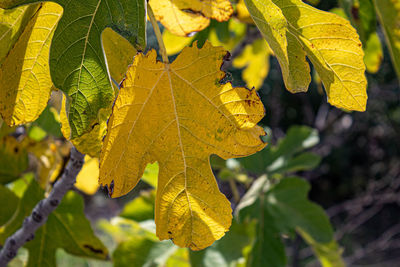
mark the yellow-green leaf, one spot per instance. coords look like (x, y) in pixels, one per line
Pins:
(373, 53)
(12, 24)
(182, 17)
(255, 60)
(89, 143)
(237, 31)
(178, 115)
(13, 159)
(329, 254)
(174, 43)
(150, 174)
(295, 30)
(25, 82)
(388, 12)
(119, 53)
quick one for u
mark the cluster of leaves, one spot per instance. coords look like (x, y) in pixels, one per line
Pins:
(178, 114)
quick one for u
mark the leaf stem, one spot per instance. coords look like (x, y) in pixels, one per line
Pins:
(43, 209)
(235, 191)
(157, 31)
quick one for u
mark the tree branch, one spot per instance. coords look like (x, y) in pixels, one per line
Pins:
(252, 34)
(43, 209)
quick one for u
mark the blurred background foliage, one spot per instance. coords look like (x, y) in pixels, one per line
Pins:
(347, 163)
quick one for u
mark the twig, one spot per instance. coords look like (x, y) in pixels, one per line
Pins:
(157, 32)
(235, 191)
(252, 34)
(43, 209)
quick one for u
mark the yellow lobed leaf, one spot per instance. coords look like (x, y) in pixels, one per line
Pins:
(87, 179)
(119, 53)
(178, 115)
(12, 24)
(255, 60)
(182, 17)
(294, 29)
(25, 82)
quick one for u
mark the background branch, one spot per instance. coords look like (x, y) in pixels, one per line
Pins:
(252, 34)
(43, 209)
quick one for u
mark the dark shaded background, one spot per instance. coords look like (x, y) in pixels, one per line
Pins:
(358, 180)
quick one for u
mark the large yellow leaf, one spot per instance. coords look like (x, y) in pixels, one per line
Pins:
(119, 53)
(25, 83)
(178, 115)
(12, 24)
(182, 17)
(294, 29)
(255, 60)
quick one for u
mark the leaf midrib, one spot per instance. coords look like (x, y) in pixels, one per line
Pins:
(84, 53)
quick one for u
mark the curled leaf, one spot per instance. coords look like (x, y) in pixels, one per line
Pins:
(295, 30)
(181, 17)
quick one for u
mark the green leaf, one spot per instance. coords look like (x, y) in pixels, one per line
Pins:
(6, 211)
(19, 186)
(150, 174)
(140, 251)
(287, 155)
(295, 30)
(268, 248)
(283, 208)
(224, 252)
(77, 63)
(65, 228)
(141, 208)
(287, 202)
(48, 123)
(302, 162)
(329, 254)
(14, 159)
(137, 246)
(388, 12)
(363, 18)
(373, 53)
